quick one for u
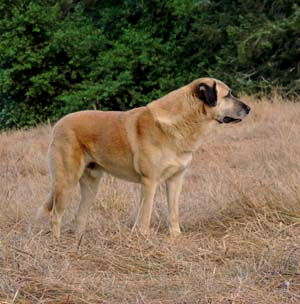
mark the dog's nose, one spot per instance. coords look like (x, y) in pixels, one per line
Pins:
(247, 109)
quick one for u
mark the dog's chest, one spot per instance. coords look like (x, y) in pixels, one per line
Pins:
(172, 164)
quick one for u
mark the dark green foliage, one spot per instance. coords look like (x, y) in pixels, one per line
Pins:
(42, 56)
(62, 56)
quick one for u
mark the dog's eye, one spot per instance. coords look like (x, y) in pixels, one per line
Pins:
(234, 95)
(231, 94)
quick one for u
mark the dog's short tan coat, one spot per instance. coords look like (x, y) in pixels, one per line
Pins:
(143, 145)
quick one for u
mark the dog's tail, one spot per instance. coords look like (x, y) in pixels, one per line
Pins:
(42, 213)
(46, 208)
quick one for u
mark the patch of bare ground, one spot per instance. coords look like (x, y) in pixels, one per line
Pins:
(239, 213)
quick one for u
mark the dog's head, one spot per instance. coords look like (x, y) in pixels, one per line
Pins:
(219, 103)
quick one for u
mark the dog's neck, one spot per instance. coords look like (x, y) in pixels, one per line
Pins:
(182, 121)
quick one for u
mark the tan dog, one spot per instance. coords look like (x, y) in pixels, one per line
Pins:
(143, 145)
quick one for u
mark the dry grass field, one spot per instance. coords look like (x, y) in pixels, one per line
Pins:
(239, 213)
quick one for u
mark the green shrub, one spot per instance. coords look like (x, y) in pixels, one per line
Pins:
(65, 56)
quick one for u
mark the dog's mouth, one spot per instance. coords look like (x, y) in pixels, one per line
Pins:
(228, 119)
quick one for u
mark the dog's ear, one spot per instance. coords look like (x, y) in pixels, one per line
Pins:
(207, 93)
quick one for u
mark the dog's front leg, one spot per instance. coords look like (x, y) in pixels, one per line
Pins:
(174, 186)
(145, 209)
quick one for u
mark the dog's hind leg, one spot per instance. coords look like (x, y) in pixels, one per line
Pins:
(66, 164)
(89, 182)
(60, 196)
(55, 204)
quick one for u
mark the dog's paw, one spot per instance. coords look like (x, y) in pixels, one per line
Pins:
(175, 232)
